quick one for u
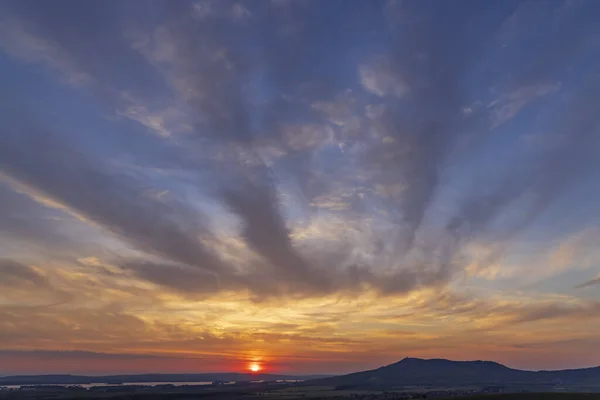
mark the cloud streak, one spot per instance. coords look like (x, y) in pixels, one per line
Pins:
(591, 282)
(15, 273)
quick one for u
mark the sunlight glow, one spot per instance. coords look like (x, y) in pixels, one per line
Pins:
(254, 367)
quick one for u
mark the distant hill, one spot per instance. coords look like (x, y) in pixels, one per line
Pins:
(210, 377)
(446, 373)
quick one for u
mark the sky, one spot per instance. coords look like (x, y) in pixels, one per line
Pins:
(315, 186)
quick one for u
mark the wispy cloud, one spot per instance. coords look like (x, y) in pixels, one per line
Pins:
(15, 273)
(21, 43)
(381, 78)
(509, 105)
(591, 282)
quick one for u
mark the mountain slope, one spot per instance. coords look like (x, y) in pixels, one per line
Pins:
(447, 373)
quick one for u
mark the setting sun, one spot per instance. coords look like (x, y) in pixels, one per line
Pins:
(254, 367)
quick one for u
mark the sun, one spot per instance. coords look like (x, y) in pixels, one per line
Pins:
(254, 367)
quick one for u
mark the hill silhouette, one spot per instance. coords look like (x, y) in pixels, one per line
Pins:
(448, 373)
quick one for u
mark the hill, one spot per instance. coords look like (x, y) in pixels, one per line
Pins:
(411, 372)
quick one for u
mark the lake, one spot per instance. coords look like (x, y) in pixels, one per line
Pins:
(89, 385)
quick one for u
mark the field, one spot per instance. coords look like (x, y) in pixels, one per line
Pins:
(275, 392)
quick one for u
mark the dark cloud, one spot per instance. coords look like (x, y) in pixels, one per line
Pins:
(180, 278)
(265, 231)
(18, 327)
(443, 56)
(111, 200)
(73, 354)
(41, 228)
(21, 218)
(211, 74)
(544, 174)
(591, 282)
(17, 274)
(494, 315)
(18, 278)
(556, 311)
(434, 57)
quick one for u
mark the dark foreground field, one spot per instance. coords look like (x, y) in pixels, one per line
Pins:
(536, 396)
(272, 393)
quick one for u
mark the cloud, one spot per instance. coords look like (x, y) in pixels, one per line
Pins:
(73, 354)
(502, 312)
(113, 202)
(165, 121)
(538, 184)
(19, 42)
(403, 153)
(180, 278)
(341, 111)
(265, 231)
(205, 74)
(225, 115)
(555, 311)
(307, 136)
(414, 145)
(23, 219)
(203, 10)
(406, 157)
(239, 12)
(591, 282)
(380, 78)
(510, 104)
(17, 274)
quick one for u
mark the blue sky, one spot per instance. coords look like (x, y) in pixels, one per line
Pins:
(200, 180)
